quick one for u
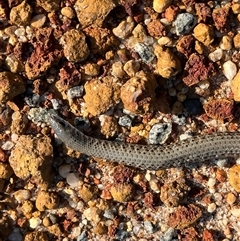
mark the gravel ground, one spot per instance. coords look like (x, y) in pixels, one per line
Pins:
(137, 71)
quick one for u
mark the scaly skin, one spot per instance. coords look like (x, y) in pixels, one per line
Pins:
(152, 157)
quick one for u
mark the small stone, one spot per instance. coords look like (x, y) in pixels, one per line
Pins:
(156, 29)
(11, 85)
(168, 64)
(68, 12)
(5, 170)
(36, 235)
(101, 95)
(14, 64)
(184, 23)
(75, 92)
(226, 43)
(183, 217)
(161, 5)
(125, 28)
(55, 230)
(27, 208)
(46, 200)
(234, 177)
(177, 107)
(138, 93)
(73, 179)
(93, 214)
(34, 222)
(221, 18)
(131, 67)
(145, 52)
(235, 211)
(122, 192)
(148, 226)
(64, 170)
(211, 207)
(22, 195)
(204, 33)
(219, 109)
(125, 121)
(229, 69)
(117, 70)
(38, 20)
(21, 14)
(91, 69)
(159, 133)
(235, 86)
(75, 46)
(216, 55)
(8, 145)
(86, 192)
(92, 12)
(15, 236)
(231, 198)
(174, 193)
(109, 126)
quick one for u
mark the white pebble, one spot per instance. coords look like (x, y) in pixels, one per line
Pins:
(235, 211)
(64, 170)
(8, 145)
(211, 207)
(216, 55)
(229, 69)
(34, 222)
(73, 179)
(211, 182)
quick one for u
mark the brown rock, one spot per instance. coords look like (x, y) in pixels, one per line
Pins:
(5, 170)
(49, 5)
(11, 85)
(36, 235)
(171, 13)
(168, 65)
(86, 192)
(31, 158)
(174, 193)
(122, 192)
(27, 207)
(3, 156)
(138, 93)
(19, 123)
(204, 33)
(198, 68)
(185, 45)
(75, 46)
(207, 235)
(46, 200)
(234, 177)
(21, 14)
(203, 11)
(109, 126)
(55, 230)
(93, 12)
(46, 53)
(101, 95)
(183, 217)
(221, 18)
(219, 109)
(189, 234)
(156, 29)
(100, 39)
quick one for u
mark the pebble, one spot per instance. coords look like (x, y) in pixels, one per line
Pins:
(75, 92)
(83, 236)
(148, 226)
(216, 55)
(56, 104)
(73, 179)
(22, 195)
(235, 211)
(64, 170)
(169, 235)
(161, 5)
(234, 177)
(159, 133)
(229, 69)
(125, 121)
(144, 52)
(211, 207)
(231, 198)
(38, 20)
(7, 146)
(34, 222)
(40, 114)
(184, 23)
